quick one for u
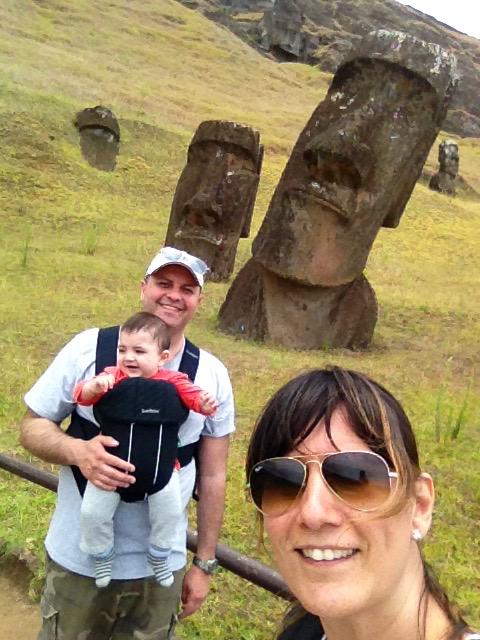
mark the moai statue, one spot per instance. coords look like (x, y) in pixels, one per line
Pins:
(448, 158)
(351, 172)
(99, 137)
(281, 30)
(213, 203)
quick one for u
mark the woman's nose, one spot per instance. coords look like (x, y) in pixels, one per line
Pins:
(317, 505)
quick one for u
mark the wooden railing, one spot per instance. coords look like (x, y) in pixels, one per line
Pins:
(239, 564)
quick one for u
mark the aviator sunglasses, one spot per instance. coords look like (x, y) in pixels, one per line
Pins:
(360, 479)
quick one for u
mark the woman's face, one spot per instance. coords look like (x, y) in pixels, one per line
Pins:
(378, 558)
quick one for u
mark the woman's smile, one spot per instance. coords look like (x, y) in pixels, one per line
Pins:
(326, 554)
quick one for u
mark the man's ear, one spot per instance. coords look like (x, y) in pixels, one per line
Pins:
(424, 501)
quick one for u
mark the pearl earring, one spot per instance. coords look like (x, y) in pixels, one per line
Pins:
(416, 535)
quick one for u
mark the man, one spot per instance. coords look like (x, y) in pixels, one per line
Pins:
(133, 605)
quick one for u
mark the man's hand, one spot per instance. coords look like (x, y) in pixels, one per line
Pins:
(103, 469)
(196, 584)
(46, 440)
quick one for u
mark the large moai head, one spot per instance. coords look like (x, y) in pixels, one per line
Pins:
(215, 195)
(99, 137)
(448, 157)
(356, 162)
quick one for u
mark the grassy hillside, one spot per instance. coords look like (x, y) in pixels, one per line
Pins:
(74, 242)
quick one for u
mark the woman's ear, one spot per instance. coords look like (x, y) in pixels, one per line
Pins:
(424, 501)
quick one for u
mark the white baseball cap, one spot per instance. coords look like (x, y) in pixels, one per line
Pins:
(171, 255)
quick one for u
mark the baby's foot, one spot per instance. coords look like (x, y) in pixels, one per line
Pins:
(103, 570)
(161, 570)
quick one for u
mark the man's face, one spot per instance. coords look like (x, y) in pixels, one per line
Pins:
(214, 196)
(351, 171)
(172, 294)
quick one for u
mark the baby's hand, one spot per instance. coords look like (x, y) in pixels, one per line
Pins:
(208, 403)
(99, 384)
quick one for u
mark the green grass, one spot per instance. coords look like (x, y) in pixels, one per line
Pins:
(74, 242)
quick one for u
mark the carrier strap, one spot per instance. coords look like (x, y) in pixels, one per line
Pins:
(106, 353)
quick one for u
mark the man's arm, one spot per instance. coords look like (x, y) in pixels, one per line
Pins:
(211, 491)
(46, 440)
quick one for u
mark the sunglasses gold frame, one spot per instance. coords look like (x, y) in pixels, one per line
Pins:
(314, 458)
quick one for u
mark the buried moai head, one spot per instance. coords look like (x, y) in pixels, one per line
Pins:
(99, 137)
(448, 158)
(356, 162)
(213, 203)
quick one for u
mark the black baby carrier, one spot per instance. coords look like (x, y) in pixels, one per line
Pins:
(144, 416)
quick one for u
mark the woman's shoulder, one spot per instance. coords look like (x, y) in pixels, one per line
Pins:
(307, 627)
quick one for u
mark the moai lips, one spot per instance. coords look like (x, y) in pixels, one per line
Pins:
(215, 195)
(351, 172)
(99, 137)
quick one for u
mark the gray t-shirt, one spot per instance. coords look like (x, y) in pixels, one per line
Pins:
(51, 397)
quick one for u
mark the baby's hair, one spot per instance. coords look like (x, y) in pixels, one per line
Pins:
(144, 321)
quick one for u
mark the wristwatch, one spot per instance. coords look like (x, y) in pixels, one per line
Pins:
(207, 566)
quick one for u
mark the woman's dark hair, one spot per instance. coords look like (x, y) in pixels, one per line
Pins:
(145, 321)
(374, 415)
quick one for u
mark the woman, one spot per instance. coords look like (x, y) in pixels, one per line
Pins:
(333, 469)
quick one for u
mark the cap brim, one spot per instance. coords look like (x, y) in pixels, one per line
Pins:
(179, 264)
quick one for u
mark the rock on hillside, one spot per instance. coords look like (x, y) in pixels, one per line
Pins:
(322, 31)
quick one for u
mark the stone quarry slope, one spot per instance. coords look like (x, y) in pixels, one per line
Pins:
(321, 31)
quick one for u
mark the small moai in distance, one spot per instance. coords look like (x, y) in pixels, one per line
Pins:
(448, 158)
(215, 195)
(351, 172)
(99, 137)
(281, 30)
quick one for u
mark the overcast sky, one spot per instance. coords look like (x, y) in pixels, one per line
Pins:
(463, 15)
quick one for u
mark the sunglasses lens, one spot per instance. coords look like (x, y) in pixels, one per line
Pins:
(359, 479)
(275, 484)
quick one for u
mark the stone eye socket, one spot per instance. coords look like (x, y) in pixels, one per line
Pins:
(333, 169)
(200, 218)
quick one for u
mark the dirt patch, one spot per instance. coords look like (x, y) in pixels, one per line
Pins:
(19, 617)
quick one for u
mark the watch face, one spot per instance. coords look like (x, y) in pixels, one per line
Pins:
(208, 566)
(213, 564)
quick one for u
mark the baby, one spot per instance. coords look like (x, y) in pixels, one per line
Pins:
(142, 352)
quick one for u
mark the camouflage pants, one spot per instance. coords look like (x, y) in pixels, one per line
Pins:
(74, 609)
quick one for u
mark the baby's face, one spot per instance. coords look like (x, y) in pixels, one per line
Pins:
(138, 354)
